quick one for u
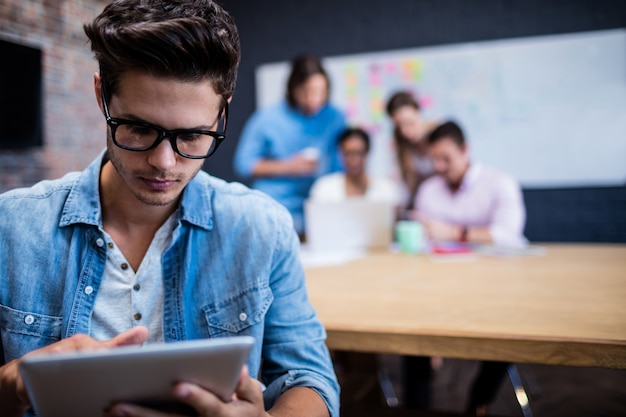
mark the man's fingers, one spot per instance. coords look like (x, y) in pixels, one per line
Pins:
(248, 389)
(247, 397)
(135, 336)
(204, 402)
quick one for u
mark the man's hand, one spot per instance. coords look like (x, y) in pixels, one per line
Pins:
(247, 401)
(300, 165)
(437, 230)
(296, 166)
(13, 398)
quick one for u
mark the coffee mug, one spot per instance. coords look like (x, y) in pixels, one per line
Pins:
(410, 236)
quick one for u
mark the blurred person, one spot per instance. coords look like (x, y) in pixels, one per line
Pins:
(354, 147)
(284, 148)
(143, 246)
(355, 369)
(409, 132)
(466, 201)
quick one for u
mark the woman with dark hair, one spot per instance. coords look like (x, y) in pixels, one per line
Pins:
(410, 132)
(354, 146)
(284, 148)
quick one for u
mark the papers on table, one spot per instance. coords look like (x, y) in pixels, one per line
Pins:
(317, 257)
(513, 251)
(440, 252)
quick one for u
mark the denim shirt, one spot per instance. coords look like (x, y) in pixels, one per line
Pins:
(232, 269)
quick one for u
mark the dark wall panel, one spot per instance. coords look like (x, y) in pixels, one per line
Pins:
(576, 214)
(20, 96)
(277, 30)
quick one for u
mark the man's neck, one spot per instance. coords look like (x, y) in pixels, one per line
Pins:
(119, 205)
(456, 185)
(130, 223)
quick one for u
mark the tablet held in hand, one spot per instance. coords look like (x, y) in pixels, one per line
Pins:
(86, 383)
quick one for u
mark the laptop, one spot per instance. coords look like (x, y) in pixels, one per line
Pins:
(86, 383)
(355, 223)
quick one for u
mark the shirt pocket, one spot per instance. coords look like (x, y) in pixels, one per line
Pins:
(24, 331)
(238, 314)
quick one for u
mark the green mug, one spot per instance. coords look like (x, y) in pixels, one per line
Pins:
(410, 236)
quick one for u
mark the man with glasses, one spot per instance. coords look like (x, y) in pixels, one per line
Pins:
(143, 246)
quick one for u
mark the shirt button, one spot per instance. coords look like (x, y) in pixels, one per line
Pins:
(243, 316)
(136, 287)
(110, 245)
(137, 316)
(88, 289)
(99, 242)
(29, 319)
(124, 266)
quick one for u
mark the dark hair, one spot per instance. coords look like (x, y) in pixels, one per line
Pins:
(190, 40)
(303, 67)
(449, 130)
(401, 99)
(354, 131)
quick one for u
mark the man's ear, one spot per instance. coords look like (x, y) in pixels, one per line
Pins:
(97, 87)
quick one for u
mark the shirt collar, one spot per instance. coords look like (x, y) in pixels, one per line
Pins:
(470, 177)
(296, 112)
(83, 201)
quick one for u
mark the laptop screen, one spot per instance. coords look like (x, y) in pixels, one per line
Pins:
(352, 224)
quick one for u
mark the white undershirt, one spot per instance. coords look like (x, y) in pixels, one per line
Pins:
(127, 298)
(332, 188)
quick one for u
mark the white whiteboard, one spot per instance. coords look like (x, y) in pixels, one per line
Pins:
(550, 110)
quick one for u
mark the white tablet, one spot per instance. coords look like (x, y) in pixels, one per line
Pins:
(84, 384)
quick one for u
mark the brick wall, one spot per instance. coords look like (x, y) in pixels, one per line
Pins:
(73, 127)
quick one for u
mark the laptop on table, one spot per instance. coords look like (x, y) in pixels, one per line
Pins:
(351, 224)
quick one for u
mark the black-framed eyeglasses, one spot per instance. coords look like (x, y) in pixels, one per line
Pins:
(139, 136)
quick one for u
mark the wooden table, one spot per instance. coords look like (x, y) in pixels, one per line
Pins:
(567, 307)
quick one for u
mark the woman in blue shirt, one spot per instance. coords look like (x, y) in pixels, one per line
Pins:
(284, 148)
